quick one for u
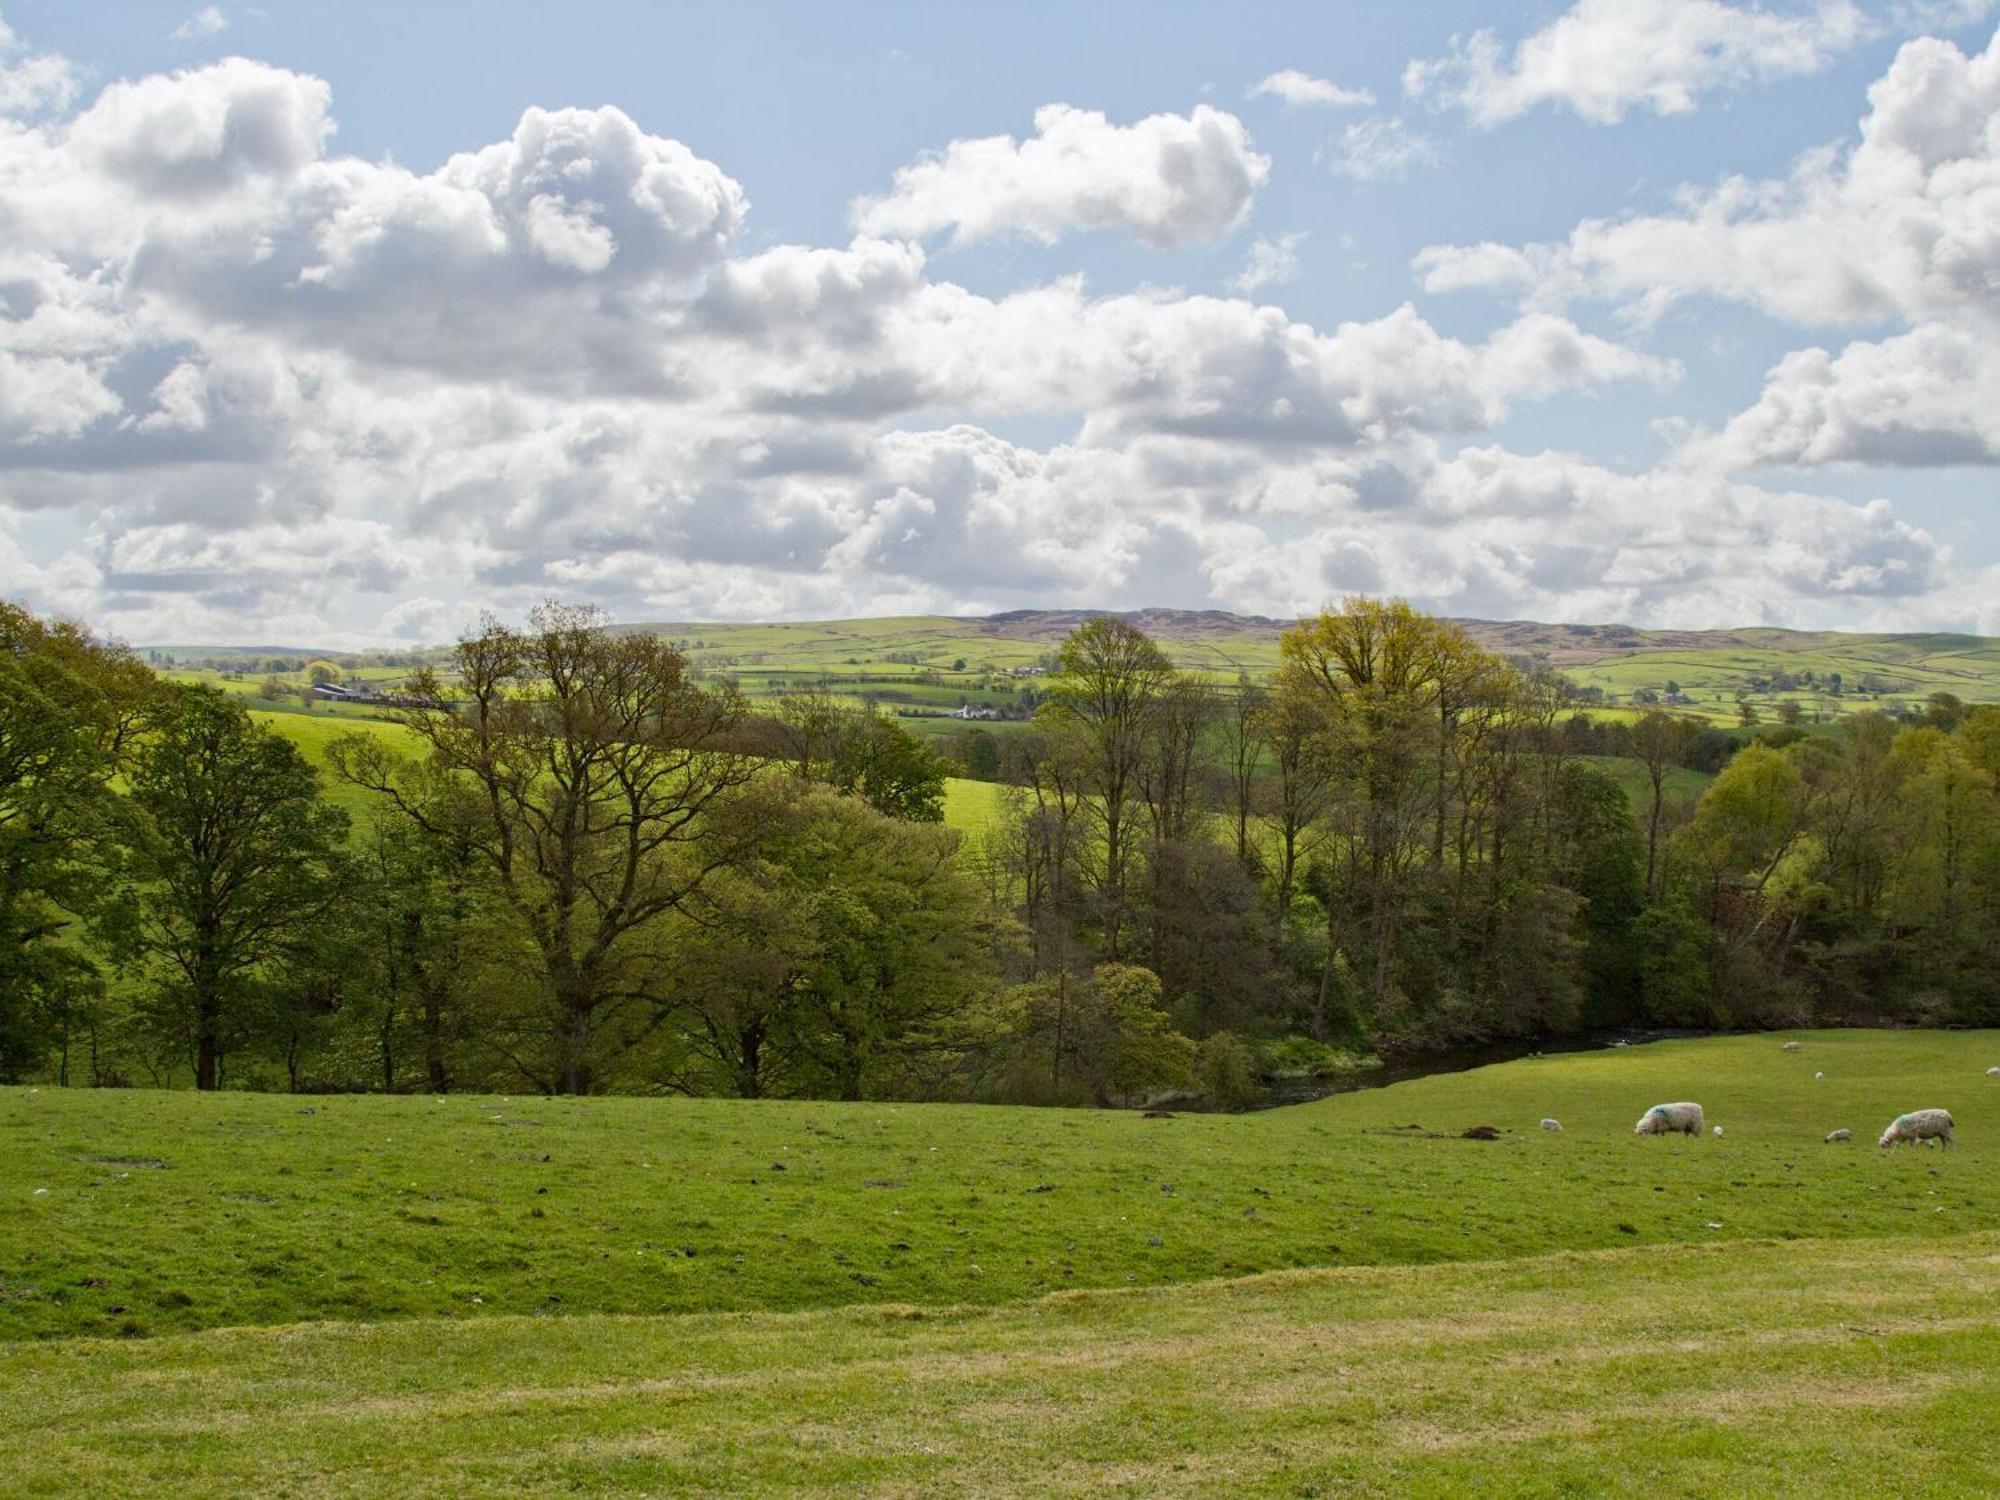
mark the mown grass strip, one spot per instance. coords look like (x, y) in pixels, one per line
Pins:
(1758, 1368)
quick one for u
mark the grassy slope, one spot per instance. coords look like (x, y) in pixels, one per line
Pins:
(170, 1211)
(969, 806)
(1730, 1361)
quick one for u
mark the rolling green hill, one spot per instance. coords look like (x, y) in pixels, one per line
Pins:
(339, 1295)
(924, 667)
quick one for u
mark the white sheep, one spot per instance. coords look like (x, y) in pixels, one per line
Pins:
(1555, 1125)
(1842, 1134)
(1919, 1125)
(1819, 1078)
(1665, 1119)
(1791, 1046)
(1993, 1072)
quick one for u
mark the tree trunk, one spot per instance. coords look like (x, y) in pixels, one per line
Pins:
(207, 1050)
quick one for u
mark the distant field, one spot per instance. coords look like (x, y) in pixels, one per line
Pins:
(1679, 784)
(924, 668)
(969, 806)
(315, 1296)
(1710, 666)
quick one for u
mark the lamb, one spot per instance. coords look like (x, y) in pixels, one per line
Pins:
(1665, 1119)
(1791, 1046)
(1919, 1125)
(1555, 1125)
(1843, 1134)
(1993, 1072)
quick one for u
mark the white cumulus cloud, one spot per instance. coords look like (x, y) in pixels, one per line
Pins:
(255, 388)
(1903, 224)
(1605, 58)
(1921, 399)
(1170, 180)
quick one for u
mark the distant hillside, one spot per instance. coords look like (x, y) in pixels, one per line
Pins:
(1704, 672)
(1560, 645)
(927, 668)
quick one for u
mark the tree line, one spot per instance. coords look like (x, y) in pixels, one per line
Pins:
(580, 868)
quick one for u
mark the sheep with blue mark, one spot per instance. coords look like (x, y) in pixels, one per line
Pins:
(1683, 1118)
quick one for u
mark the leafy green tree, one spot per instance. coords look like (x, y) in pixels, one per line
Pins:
(1951, 818)
(233, 854)
(978, 753)
(1110, 677)
(1944, 711)
(890, 769)
(438, 945)
(1660, 741)
(1379, 675)
(1596, 855)
(862, 752)
(835, 951)
(69, 708)
(1979, 736)
(585, 763)
(1226, 1069)
(1104, 1038)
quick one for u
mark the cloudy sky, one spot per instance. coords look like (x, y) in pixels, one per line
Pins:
(335, 323)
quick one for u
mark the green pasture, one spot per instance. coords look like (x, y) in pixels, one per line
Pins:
(969, 806)
(1906, 669)
(1680, 784)
(1747, 1369)
(313, 1295)
(141, 1212)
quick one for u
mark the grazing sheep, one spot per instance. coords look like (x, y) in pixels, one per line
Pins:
(1718, 1130)
(1665, 1119)
(1819, 1077)
(1993, 1072)
(1919, 1125)
(1555, 1125)
(1791, 1046)
(1843, 1134)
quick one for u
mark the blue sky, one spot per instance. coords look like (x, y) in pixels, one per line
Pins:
(341, 321)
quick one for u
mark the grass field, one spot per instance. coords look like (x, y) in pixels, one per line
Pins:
(185, 1212)
(937, 662)
(342, 1295)
(1680, 783)
(969, 806)
(1753, 1370)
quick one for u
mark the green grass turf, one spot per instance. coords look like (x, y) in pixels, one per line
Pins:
(1760, 1369)
(145, 1212)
